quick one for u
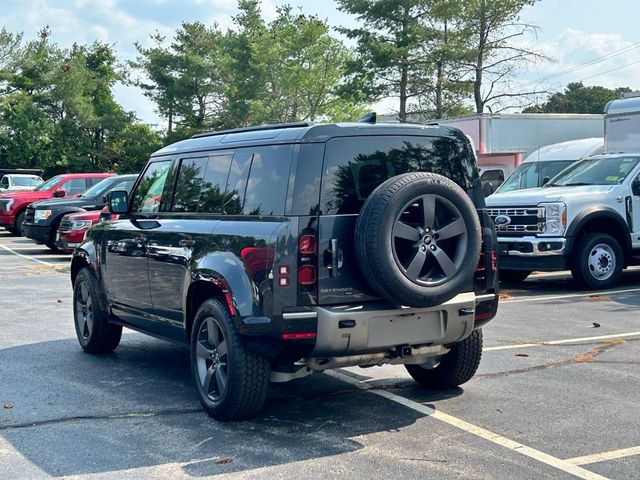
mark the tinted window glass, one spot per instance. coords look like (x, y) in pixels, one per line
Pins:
(149, 193)
(214, 181)
(268, 181)
(74, 186)
(354, 167)
(237, 182)
(306, 191)
(189, 184)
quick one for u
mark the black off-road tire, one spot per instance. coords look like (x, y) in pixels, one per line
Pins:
(456, 367)
(17, 229)
(513, 276)
(248, 374)
(586, 248)
(101, 336)
(374, 239)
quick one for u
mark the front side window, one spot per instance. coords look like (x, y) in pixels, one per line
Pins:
(148, 194)
(26, 181)
(596, 171)
(74, 186)
(355, 166)
(4, 183)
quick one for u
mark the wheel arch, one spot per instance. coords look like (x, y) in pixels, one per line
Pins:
(601, 220)
(201, 290)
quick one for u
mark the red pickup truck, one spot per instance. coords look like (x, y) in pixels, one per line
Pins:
(13, 205)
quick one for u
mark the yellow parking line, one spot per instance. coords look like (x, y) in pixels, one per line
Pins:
(561, 342)
(512, 445)
(601, 457)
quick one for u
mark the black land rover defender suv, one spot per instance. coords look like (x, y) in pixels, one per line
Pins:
(277, 251)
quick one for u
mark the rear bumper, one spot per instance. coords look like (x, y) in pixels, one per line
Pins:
(375, 328)
(41, 234)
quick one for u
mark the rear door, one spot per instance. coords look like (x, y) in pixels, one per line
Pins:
(353, 168)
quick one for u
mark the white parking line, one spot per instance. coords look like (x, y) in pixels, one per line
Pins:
(27, 257)
(562, 342)
(569, 295)
(601, 457)
(512, 445)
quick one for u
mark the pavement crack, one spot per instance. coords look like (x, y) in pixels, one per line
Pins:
(587, 357)
(119, 416)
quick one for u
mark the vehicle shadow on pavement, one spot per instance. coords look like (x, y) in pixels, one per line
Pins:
(73, 413)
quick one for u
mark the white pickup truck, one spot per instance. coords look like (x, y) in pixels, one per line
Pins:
(586, 219)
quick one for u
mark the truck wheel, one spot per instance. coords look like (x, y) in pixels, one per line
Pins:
(51, 244)
(17, 230)
(456, 367)
(598, 261)
(94, 332)
(231, 380)
(513, 276)
(418, 240)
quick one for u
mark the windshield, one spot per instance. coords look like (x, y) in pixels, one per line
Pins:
(26, 181)
(531, 174)
(48, 184)
(596, 171)
(99, 188)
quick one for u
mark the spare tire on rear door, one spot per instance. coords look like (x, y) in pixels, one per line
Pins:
(418, 239)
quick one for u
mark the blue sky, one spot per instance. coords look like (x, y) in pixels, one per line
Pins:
(571, 31)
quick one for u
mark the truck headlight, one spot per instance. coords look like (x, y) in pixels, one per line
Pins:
(80, 224)
(41, 215)
(556, 218)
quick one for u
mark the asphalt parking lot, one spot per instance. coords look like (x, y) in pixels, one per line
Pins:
(556, 397)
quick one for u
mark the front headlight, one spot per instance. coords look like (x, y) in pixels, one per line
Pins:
(556, 218)
(41, 215)
(6, 203)
(80, 224)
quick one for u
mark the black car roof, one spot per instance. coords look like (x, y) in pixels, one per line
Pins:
(300, 132)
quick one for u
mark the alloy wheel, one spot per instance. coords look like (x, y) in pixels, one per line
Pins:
(211, 357)
(429, 240)
(84, 310)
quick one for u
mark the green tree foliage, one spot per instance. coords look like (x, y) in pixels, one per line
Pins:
(390, 59)
(578, 98)
(288, 70)
(57, 110)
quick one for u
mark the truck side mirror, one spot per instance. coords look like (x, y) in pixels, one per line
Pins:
(118, 202)
(635, 187)
(60, 193)
(545, 180)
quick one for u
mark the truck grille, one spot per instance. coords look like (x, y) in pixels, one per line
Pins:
(522, 220)
(29, 215)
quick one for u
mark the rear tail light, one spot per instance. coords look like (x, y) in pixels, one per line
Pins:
(307, 275)
(307, 244)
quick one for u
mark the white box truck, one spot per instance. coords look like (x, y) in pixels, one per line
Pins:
(622, 125)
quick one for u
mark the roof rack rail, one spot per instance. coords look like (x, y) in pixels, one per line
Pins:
(275, 126)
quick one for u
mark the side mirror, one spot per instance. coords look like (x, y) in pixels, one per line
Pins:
(60, 193)
(635, 187)
(545, 180)
(118, 202)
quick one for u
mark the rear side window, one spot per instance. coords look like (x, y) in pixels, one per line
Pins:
(355, 166)
(213, 183)
(189, 184)
(268, 181)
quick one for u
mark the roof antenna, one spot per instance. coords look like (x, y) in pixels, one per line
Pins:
(370, 117)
